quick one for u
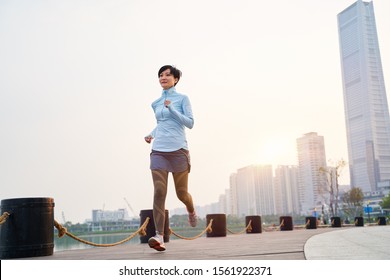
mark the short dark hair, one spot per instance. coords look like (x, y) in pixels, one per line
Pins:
(174, 71)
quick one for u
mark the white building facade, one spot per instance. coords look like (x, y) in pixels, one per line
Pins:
(311, 157)
(365, 101)
(254, 190)
(286, 190)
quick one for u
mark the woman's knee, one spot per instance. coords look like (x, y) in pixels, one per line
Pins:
(160, 191)
(183, 195)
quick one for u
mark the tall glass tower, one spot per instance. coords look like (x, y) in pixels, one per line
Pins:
(365, 101)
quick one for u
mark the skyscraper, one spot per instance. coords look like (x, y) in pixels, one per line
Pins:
(311, 157)
(365, 101)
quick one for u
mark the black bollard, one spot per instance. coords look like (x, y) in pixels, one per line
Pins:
(255, 224)
(381, 221)
(150, 228)
(311, 222)
(29, 230)
(286, 223)
(359, 222)
(218, 226)
(335, 221)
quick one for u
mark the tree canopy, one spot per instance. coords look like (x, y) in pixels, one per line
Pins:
(353, 202)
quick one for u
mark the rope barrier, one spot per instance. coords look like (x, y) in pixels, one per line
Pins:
(62, 231)
(208, 229)
(281, 225)
(307, 223)
(3, 218)
(248, 227)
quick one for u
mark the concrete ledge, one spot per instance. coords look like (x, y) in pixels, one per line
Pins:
(360, 243)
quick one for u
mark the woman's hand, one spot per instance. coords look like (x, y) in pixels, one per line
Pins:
(166, 103)
(148, 139)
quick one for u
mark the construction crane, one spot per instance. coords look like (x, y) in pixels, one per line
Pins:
(131, 209)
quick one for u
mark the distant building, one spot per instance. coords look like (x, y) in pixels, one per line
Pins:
(112, 220)
(254, 190)
(286, 189)
(365, 101)
(109, 216)
(311, 157)
(233, 194)
(226, 203)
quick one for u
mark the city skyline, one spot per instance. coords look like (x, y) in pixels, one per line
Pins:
(77, 79)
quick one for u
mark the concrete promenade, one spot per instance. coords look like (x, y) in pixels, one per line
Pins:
(346, 243)
(358, 243)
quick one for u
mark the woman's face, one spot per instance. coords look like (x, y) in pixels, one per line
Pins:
(167, 80)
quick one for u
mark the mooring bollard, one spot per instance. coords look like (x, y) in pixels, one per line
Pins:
(29, 230)
(359, 222)
(335, 221)
(256, 226)
(218, 226)
(381, 221)
(150, 228)
(286, 223)
(311, 222)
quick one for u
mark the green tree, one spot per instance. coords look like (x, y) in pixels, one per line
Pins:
(353, 202)
(385, 204)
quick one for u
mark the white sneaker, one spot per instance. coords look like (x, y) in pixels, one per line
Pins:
(157, 242)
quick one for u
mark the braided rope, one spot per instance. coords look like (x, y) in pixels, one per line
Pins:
(281, 225)
(248, 227)
(208, 229)
(62, 231)
(3, 218)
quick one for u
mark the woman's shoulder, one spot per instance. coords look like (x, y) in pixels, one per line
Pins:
(158, 100)
(182, 96)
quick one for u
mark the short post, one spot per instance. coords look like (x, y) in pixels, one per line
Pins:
(311, 222)
(256, 226)
(29, 229)
(382, 221)
(359, 222)
(218, 226)
(335, 221)
(150, 228)
(286, 223)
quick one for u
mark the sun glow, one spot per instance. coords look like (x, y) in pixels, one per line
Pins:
(277, 151)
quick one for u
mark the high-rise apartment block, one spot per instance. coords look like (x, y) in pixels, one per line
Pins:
(253, 190)
(311, 157)
(365, 101)
(286, 191)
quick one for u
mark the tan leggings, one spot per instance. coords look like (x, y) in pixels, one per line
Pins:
(160, 181)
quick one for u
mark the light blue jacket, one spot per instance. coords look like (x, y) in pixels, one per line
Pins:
(169, 134)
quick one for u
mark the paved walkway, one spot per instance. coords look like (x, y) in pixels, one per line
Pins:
(275, 245)
(351, 243)
(358, 243)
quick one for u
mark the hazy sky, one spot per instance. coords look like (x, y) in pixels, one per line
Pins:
(77, 79)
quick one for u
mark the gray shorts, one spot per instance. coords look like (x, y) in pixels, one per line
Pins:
(176, 161)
